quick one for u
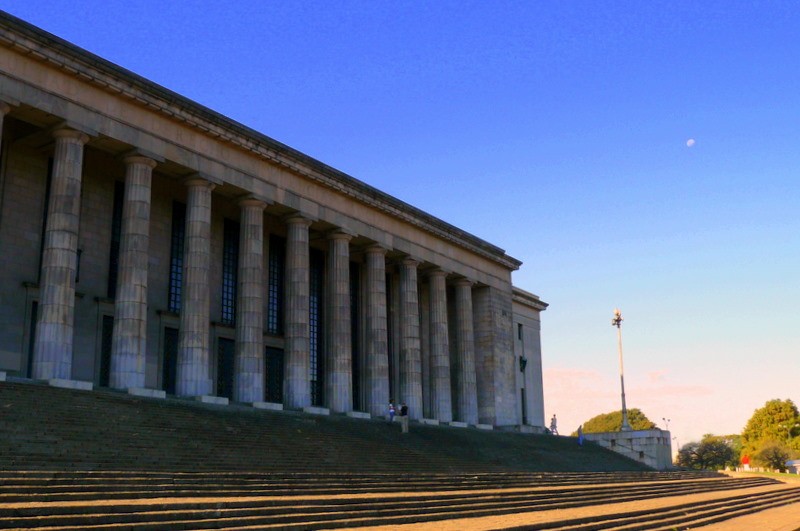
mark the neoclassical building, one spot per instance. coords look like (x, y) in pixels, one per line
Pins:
(152, 245)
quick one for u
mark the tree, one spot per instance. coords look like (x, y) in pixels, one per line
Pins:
(613, 422)
(773, 455)
(778, 421)
(713, 452)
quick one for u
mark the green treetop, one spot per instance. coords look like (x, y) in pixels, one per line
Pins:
(613, 422)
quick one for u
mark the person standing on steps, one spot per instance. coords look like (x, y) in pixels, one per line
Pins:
(392, 410)
(404, 418)
(580, 435)
(554, 425)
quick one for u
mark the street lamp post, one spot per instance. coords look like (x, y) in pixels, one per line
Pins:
(666, 421)
(617, 321)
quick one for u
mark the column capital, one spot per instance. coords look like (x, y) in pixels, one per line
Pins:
(249, 200)
(135, 158)
(196, 180)
(438, 272)
(297, 219)
(463, 282)
(74, 134)
(409, 261)
(376, 249)
(339, 234)
(5, 108)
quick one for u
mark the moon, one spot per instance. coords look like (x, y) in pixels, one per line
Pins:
(690, 142)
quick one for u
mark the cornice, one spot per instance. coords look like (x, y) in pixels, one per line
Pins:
(528, 299)
(43, 46)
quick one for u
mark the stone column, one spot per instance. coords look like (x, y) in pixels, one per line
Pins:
(4, 109)
(465, 384)
(248, 384)
(52, 356)
(129, 339)
(410, 362)
(441, 399)
(425, 346)
(377, 352)
(194, 356)
(297, 338)
(338, 369)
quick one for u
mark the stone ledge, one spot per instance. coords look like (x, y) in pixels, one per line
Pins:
(430, 422)
(484, 426)
(272, 406)
(314, 410)
(70, 384)
(358, 415)
(145, 392)
(2, 376)
(208, 399)
(456, 424)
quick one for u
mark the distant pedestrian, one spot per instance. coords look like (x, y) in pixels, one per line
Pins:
(554, 425)
(580, 435)
(404, 418)
(392, 410)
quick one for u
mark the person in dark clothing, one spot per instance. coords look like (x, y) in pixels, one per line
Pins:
(404, 418)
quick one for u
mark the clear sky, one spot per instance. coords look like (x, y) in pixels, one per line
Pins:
(559, 131)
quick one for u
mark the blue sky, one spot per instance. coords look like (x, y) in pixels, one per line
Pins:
(556, 130)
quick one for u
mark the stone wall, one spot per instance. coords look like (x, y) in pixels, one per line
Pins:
(651, 447)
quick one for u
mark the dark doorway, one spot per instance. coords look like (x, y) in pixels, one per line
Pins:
(105, 350)
(524, 406)
(32, 334)
(226, 353)
(273, 375)
(170, 366)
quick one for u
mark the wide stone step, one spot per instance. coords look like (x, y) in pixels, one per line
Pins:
(269, 512)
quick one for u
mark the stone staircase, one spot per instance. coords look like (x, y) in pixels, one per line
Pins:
(104, 460)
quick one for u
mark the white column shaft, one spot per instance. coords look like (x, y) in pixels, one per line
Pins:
(194, 356)
(297, 338)
(129, 339)
(377, 353)
(52, 357)
(339, 377)
(410, 361)
(249, 364)
(465, 385)
(441, 398)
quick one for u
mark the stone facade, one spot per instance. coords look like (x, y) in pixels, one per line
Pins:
(149, 243)
(650, 447)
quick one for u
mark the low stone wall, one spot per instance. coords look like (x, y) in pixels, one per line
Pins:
(651, 447)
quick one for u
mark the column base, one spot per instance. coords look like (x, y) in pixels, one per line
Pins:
(456, 424)
(147, 393)
(358, 415)
(272, 406)
(484, 426)
(208, 399)
(429, 422)
(314, 410)
(70, 384)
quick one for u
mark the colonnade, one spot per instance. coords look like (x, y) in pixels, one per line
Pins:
(52, 355)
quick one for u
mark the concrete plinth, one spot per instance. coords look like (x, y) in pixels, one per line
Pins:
(70, 384)
(487, 427)
(147, 393)
(208, 399)
(272, 406)
(314, 410)
(429, 422)
(456, 424)
(359, 415)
